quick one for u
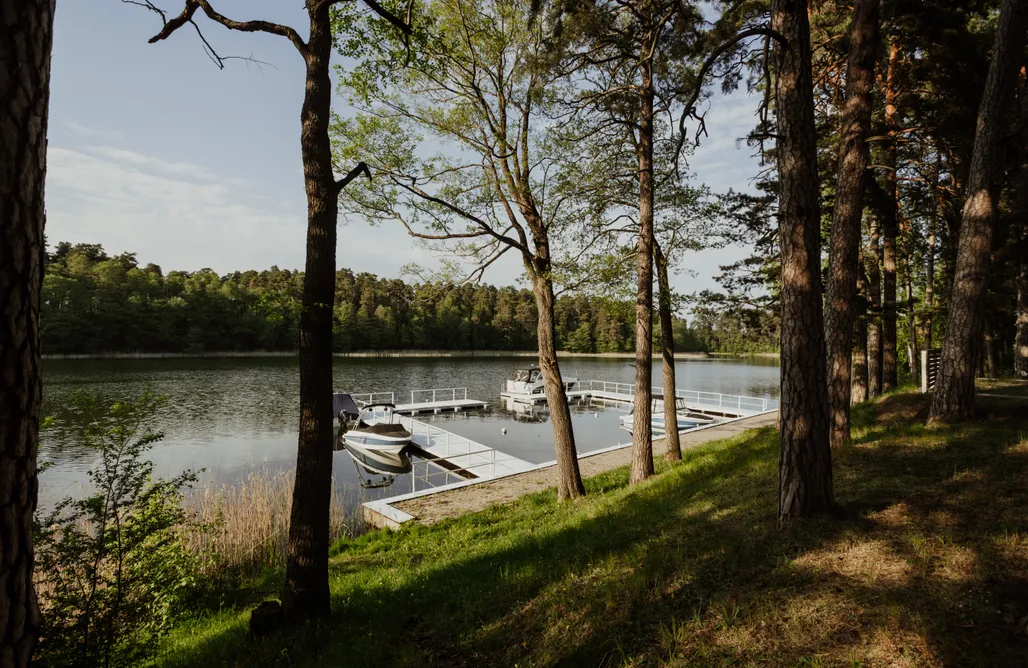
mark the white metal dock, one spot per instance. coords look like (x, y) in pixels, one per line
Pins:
(425, 401)
(715, 403)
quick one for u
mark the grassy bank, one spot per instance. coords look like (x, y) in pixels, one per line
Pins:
(927, 565)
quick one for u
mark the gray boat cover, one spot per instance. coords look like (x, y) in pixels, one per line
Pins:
(343, 404)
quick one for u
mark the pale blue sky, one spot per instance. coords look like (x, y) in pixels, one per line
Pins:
(155, 150)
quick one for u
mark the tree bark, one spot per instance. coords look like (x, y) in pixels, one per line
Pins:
(913, 351)
(805, 462)
(569, 478)
(26, 40)
(1021, 334)
(306, 590)
(642, 435)
(672, 442)
(874, 316)
(928, 321)
(991, 354)
(890, 226)
(859, 387)
(849, 206)
(954, 391)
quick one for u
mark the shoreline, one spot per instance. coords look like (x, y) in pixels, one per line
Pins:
(384, 354)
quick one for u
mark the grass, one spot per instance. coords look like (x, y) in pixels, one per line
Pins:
(927, 565)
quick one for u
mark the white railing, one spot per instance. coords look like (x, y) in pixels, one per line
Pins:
(463, 454)
(439, 394)
(700, 399)
(733, 401)
(374, 398)
(615, 388)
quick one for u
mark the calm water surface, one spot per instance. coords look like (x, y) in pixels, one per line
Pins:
(230, 416)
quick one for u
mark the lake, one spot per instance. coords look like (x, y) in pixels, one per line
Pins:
(229, 416)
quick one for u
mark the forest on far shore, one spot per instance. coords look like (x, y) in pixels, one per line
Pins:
(95, 303)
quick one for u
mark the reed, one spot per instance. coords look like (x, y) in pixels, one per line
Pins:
(243, 526)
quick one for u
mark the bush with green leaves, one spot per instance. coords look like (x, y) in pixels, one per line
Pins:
(112, 571)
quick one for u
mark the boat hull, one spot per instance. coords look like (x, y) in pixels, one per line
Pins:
(378, 461)
(386, 444)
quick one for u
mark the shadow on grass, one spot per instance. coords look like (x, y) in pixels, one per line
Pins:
(930, 567)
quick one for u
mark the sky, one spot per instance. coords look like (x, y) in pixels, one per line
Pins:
(156, 151)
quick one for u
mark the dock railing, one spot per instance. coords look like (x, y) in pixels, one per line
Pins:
(712, 399)
(438, 394)
(615, 388)
(374, 398)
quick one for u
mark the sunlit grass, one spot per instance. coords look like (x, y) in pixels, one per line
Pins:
(927, 564)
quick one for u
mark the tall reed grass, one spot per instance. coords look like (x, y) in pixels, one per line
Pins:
(243, 526)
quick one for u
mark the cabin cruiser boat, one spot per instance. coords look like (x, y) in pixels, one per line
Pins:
(687, 419)
(529, 382)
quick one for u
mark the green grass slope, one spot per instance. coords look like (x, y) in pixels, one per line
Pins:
(926, 565)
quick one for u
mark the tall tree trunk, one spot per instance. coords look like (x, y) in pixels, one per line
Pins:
(805, 461)
(1021, 335)
(954, 390)
(991, 352)
(672, 442)
(874, 306)
(26, 40)
(859, 387)
(642, 435)
(928, 321)
(913, 350)
(890, 225)
(844, 246)
(569, 478)
(306, 590)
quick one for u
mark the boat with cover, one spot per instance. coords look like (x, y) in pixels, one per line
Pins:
(687, 419)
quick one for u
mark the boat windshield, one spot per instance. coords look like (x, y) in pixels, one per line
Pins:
(522, 375)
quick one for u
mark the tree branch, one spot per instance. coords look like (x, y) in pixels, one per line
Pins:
(190, 8)
(709, 63)
(351, 175)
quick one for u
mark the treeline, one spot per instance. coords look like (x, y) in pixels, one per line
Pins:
(94, 303)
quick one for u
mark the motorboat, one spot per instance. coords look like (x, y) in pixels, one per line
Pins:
(686, 418)
(526, 411)
(373, 440)
(376, 430)
(529, 382)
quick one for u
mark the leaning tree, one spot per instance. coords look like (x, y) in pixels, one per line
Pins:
(476, 85)
(306, 590)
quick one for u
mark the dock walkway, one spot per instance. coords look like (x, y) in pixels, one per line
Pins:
(432, 505)
(425, 401)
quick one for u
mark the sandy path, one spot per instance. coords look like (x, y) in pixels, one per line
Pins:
(435, 507)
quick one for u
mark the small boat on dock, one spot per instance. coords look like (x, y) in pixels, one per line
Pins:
(687, 419)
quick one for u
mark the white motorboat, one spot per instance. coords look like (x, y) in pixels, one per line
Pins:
(687, 419)
(529, 382)
(374, 430)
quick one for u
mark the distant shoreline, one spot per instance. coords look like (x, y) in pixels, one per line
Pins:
(381, 354)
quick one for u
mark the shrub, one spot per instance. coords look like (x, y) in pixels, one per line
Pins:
(112, 571)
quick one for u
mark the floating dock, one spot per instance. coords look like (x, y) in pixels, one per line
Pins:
(448, 461)
(425, 401)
